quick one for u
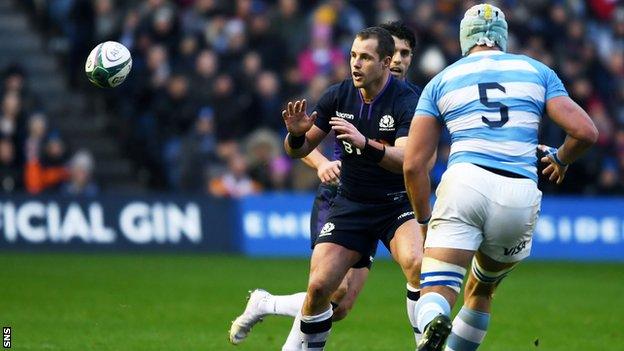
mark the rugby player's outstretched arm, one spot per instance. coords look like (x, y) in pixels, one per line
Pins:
(581, 131)
(303, 136)
(422, 143)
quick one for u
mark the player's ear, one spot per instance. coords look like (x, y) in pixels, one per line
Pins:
(386, 61)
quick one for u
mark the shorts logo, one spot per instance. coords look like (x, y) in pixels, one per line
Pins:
(345, 115)
(327, 229)
(386, 123)
(516, 249)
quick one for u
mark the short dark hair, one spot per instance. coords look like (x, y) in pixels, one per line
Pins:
(385, 43)
(401, 31)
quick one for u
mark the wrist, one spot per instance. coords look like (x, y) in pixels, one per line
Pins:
(558, 160)
(296, 142)
(424, 222)
(372, 153)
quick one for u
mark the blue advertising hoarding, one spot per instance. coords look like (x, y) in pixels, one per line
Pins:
(112, 223)
(573, 228)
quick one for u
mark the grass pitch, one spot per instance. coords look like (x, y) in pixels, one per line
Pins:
(157, 302)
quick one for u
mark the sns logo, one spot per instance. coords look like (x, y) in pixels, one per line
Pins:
(516, 249)
(386, 123)
(327, 229)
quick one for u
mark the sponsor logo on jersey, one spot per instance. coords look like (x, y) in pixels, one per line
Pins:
(386, 123)
(405, 214)
(345, 115)
(516, 249)
(327, 229)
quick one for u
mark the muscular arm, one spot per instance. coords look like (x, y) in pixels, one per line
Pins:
(421, 147)
(313, 138)
(393, 157)
(581, 131)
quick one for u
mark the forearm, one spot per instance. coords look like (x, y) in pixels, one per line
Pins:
(314, 159)
(392, 159)
(418, 186)
(572, 149)
(297, 151)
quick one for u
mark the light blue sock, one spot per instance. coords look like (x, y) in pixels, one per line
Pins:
(469, 328)
(429, 306)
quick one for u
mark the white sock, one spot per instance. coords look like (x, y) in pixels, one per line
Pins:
(429, 306)
(294, 341)
(315, 330)
(413, 294)
(283, 305)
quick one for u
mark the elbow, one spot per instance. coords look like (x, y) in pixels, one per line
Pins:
(592, 134)
(413, 169)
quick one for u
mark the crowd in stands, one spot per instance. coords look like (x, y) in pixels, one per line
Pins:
(201, 110)
(34, 158)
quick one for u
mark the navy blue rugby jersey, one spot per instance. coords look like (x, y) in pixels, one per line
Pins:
(385, 119)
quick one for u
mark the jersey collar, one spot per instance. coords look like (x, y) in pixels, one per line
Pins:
(486, 53)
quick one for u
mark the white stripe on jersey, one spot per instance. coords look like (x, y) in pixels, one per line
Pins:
(513, 90)
(487, 64)
(516, 119)
(508, 148)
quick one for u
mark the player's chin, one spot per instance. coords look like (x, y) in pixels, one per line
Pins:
(358, 83)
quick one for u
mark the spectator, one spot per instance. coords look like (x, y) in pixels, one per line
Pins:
(41, 173)
(267, 165)
(235, 182)
(198, 152)
(321, 57)
(10, 171)
(80, 180)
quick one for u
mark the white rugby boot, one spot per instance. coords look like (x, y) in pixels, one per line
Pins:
(241, 326)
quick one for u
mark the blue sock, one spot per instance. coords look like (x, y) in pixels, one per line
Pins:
(469, 328)
(429, 306)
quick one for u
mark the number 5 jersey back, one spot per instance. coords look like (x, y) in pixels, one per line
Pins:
(491, 102)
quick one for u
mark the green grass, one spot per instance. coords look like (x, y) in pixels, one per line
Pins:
(153, 302)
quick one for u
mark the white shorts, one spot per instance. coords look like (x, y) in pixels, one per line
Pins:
(476, 209)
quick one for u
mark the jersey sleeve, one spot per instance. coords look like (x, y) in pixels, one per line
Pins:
(553, 85)
(325, 109)
(406, 114)
(427, 102)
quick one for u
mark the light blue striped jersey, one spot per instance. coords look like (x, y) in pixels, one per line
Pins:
(492, 102)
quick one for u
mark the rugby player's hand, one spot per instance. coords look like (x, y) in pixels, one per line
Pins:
(347, 132)
(329, 172)
(555, 169)
(296, 119)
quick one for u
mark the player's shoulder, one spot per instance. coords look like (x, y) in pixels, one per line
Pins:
(404, 89)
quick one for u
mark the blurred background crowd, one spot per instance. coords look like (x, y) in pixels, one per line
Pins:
(201, 109)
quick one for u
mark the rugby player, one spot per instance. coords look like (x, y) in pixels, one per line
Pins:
(261, 303)
(488, 201)
(374, 111)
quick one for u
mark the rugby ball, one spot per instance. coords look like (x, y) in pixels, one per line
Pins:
(108, 64)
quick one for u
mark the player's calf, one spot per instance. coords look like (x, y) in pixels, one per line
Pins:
(441, 283)
(471, 323)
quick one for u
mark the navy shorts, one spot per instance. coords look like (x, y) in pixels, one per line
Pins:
(323, 201)
(358, 226)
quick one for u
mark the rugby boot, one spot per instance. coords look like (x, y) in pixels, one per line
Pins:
(435, 334)
(242, 325)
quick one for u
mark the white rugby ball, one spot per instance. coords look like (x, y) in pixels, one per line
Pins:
(108, 64)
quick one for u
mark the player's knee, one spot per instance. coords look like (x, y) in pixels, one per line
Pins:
(411, 265)
(318, 290)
